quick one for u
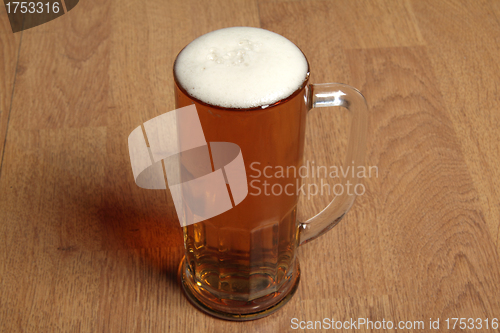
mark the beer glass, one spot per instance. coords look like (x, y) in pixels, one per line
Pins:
(242, 264)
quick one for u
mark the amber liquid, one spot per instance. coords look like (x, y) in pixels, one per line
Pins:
(244, 259)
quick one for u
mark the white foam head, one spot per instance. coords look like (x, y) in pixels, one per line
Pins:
(241, 67)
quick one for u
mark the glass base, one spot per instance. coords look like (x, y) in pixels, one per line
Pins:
(191, 296)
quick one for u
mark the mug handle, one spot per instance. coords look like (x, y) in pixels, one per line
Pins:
(337, 94)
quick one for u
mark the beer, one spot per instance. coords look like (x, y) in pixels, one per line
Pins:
(249, 88)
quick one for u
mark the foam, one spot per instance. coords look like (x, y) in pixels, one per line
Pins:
(241, 67)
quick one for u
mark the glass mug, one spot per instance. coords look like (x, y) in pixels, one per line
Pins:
(241, 264)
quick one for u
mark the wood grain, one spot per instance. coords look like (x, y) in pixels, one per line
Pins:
(9, 51)
(75, 88)
(464, 53)
(83, 249)
(430, 178)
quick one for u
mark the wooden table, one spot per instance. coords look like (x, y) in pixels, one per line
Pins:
(83, 249)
